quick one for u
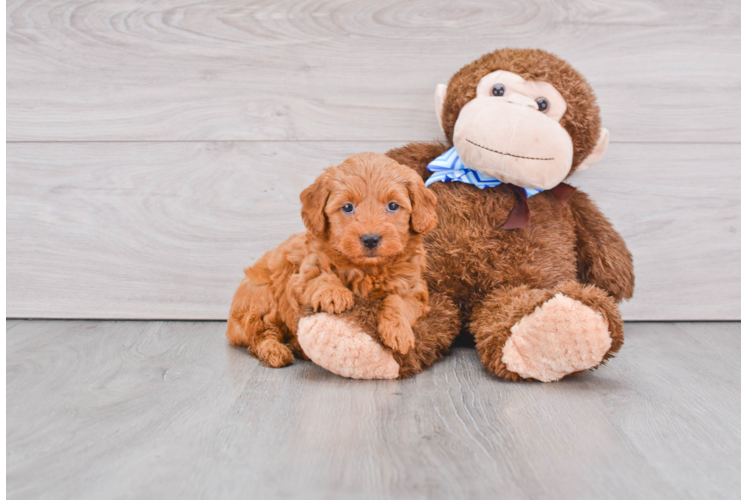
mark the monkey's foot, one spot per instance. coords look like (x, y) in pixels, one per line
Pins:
(560, 337)
(343, 348)
(528, 333)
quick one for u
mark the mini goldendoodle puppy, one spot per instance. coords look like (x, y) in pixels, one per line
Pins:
(365, 219)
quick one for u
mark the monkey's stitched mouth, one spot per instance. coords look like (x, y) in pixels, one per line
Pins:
(508, 154)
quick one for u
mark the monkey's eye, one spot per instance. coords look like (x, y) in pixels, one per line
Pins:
(498, 90)
(393, 207)
(542, 104)
(347, 208)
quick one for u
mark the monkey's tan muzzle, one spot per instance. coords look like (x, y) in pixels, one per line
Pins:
(511, 140)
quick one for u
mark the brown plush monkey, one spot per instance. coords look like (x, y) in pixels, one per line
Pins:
(528, 265)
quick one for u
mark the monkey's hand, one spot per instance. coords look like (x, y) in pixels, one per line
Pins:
(603, 259)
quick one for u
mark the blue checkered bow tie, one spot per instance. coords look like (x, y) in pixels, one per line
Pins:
(449, 168)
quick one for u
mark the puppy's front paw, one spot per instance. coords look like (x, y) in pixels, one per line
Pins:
(333, 300)
(397, 335)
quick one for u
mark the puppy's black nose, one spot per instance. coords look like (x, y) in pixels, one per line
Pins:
(371, 241)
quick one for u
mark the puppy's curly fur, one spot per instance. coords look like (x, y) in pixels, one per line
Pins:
(367, 200)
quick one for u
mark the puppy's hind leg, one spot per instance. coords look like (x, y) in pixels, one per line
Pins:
(252, 324)
(270, 349)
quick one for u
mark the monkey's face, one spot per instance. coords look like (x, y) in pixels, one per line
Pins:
(511, 131)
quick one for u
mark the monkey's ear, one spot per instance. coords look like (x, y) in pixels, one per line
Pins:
(423, 213)
(597, 153)
(439, 96)
(313, 201)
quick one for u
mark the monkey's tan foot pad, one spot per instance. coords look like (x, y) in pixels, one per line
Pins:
(561, 336)
(341, 347)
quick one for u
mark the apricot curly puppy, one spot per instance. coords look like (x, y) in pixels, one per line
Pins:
(365, 219)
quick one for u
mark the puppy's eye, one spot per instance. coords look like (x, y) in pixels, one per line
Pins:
(498, 90)
(347, 208)
(393, 207)
(542, 104)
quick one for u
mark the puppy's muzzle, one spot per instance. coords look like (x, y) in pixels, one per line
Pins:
(371, 241)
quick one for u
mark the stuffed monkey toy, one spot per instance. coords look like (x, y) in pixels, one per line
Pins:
(522, 261)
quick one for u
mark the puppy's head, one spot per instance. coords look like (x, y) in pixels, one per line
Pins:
(369, 208)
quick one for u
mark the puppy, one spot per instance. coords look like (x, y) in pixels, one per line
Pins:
(365, 219)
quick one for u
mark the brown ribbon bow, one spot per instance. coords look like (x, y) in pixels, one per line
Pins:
(520, 215)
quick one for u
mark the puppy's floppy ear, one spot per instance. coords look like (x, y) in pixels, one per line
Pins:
(313, 201)
(423, 215)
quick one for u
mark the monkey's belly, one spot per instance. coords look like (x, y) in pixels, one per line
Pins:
(468, 260)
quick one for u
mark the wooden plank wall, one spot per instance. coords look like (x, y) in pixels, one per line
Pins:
(157, 148)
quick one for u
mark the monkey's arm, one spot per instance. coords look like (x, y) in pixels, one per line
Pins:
(603, 259)
(417, 155)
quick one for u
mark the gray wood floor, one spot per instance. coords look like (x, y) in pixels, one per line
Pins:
(108, 409)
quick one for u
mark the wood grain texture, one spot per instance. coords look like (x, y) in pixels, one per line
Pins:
(744, 228)
(338, 70)
(163, 230)
(158, 219)
(168, 409)
(678, 209)
(10, 323)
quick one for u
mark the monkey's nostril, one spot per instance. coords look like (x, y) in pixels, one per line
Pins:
(370, 241)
